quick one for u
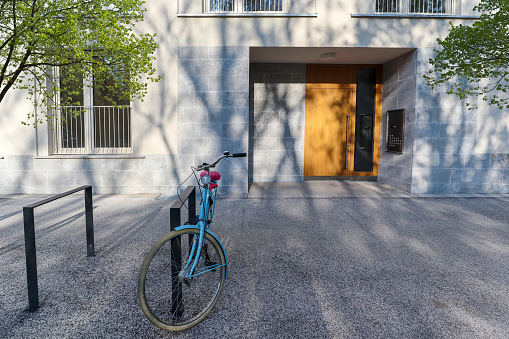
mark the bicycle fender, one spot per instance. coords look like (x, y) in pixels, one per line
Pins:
(186, 227)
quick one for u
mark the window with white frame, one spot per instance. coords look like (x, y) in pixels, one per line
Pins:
(90, 119)
(415, 6)
(243, 6)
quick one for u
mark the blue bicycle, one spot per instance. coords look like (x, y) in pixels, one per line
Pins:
(183, 275)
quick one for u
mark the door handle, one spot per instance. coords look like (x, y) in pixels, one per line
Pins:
(347, 140)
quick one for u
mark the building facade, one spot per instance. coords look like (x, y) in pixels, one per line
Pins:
(311, 90)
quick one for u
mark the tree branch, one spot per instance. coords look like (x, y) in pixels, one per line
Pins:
(11, 50)
(15, 76)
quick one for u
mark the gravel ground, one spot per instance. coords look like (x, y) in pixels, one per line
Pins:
(299, 268)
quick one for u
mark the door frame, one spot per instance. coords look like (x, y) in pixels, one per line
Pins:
(314, 80)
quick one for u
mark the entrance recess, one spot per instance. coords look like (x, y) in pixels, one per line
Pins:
(343, 111)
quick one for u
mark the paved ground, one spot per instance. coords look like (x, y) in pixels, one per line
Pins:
(338, 267)
(341, 189)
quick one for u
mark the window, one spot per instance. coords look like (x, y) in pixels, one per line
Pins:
(415, 6)
(387, 6)
(221, 6)
(244, 6)
(263, 5)
(88, 121)
(427, 6)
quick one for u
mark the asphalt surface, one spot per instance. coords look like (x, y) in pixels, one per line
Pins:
(363, 267)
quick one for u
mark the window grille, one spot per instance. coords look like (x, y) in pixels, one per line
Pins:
(93, 130)
(70, 130)
(243, 6)
(416, 6)
(218, 6)
(387, 6)
(263, 5)
(112, 129)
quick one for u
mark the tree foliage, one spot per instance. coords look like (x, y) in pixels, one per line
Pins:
(91, 39)
(474, 60)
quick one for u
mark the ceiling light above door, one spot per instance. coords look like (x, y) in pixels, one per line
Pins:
(328, 55)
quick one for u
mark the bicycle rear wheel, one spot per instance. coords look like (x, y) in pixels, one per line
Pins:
(169, 301)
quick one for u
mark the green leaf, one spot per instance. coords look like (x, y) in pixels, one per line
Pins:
(471, 53)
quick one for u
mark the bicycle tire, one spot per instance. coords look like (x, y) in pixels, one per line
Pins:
(198, 298)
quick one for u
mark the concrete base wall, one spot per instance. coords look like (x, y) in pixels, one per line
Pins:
(50, 175)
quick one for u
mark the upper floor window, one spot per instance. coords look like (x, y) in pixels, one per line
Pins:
(415, 6)
(244, 6)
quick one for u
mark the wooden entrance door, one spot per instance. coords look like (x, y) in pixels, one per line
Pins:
(329, 121)
(333, 100)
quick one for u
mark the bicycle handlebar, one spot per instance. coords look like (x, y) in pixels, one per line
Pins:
(226, 155)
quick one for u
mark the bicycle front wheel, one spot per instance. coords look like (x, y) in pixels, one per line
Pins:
(170, 300)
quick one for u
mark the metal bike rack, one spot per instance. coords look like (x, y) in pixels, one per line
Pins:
(29, 225)
(189, 194)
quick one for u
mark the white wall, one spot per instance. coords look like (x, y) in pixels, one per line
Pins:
(16, 138)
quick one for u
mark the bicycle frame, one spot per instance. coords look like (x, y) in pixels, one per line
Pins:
(197, 244)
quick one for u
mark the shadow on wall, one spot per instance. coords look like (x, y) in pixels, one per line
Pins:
(213, 108)
(214, 100)
(277, 108)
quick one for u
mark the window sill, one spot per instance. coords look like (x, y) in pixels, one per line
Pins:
(247, 15)
(416, 16)
(91, 156)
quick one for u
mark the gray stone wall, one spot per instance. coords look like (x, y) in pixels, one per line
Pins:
(213, 109)
(399, 92)
(440, 137)
(108, 174)
(276, 123)
(445, 141)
